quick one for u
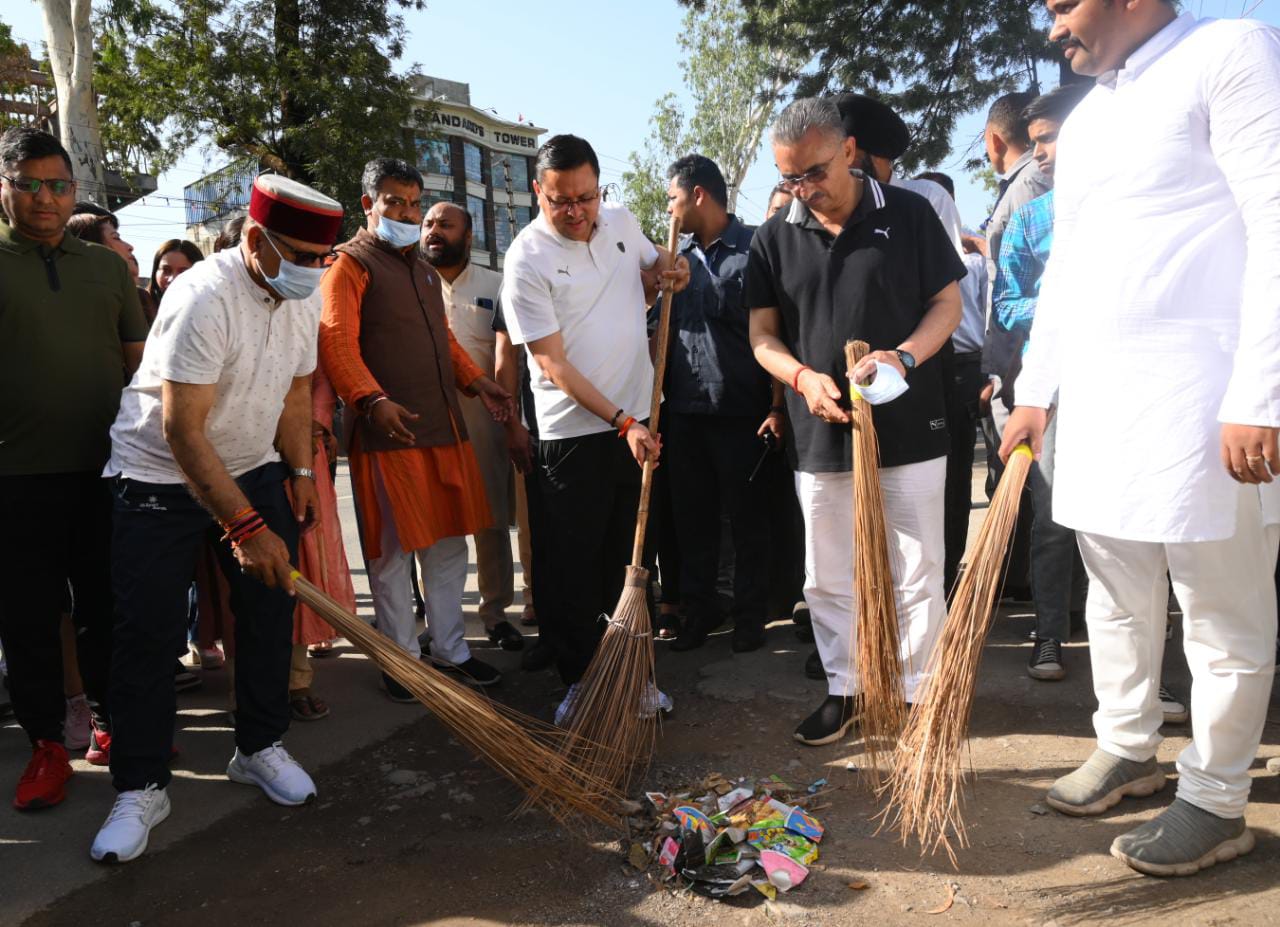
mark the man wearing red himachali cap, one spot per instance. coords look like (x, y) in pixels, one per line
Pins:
(217, 418)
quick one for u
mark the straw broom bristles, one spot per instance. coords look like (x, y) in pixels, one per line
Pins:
(925, 788)
(877, 647)
(609, 709)
(523, 749)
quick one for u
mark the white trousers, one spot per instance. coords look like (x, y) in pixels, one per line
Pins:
(913, 510)
(1228, 597)
(442, 570)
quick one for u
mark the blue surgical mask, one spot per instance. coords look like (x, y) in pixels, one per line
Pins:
(292, 281)
(887, 386)
(397, 234)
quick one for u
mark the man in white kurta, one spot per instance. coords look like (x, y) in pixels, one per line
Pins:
(470, 296)
(1157, 338)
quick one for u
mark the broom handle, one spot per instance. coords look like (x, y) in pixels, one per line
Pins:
(659, 374)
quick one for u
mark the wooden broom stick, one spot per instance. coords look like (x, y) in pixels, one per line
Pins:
(925, 788)
(877, 645)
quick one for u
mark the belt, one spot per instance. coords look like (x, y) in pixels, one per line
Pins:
(972, 356)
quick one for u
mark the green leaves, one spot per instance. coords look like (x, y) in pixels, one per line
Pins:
(302, 87)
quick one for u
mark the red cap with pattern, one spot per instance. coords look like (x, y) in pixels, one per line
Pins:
(294, 209)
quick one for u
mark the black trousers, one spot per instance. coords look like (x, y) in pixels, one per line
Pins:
(786, 535)
(965, 380)
(709, 459)
(590, 493)
(159, 531)
(56, 530)
(540, 585)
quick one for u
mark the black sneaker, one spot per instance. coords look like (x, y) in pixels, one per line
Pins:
(184, 680)
(1046, 661)
(692, 636)
(834, 718)
(506, 636)
(397, 692)
(813, 668)
(538, 657)
(473, 672)
(746, 638)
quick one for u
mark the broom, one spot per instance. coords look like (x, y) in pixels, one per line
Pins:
(876, 647)
(925, 785)
(528, 752)
(608, 707)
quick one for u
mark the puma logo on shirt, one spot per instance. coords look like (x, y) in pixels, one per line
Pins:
(884, 231)
(563, 270)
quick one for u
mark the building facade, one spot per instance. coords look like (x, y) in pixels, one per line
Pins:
(473, 158)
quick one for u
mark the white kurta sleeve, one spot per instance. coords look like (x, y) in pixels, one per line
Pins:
(1244, 133)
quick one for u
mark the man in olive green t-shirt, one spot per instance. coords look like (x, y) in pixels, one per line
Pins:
(71, 332)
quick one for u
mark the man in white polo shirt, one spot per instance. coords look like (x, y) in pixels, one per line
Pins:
(573, 295)
(216, 420)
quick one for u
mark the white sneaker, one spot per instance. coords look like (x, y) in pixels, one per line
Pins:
(123, 836)
(1174, 709)
(655, 700)
(275, 772)
(562, 710)
(76, 723)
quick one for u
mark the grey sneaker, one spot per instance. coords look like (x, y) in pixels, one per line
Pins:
(1101, 782)
(1182, 840)
(1173, 708)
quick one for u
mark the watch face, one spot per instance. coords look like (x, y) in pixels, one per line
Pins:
(908, 361)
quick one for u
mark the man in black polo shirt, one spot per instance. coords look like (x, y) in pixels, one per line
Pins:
(71, 330)
(850, 259)
(717, 411)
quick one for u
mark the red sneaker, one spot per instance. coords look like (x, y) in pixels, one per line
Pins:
(44, 783)
(99, 752)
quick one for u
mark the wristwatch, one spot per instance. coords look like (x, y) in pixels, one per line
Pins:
(307, 472)
(907, 359)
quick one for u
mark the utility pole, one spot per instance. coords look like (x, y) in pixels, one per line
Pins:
(68, 33)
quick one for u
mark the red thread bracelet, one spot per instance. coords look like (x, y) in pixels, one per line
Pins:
(795, 381)
(626, 425)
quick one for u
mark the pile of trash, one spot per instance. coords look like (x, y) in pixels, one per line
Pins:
(722, 838)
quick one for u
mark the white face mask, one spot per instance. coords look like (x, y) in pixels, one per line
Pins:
(397, 234)
(887, 386)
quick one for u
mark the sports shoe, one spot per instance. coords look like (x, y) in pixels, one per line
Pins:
(1101, 782)
(539, 656)
(274, 771)
(44, 781)
(123, 836)
(746, 638)
(562, 710)
(77, 723)
(505, 636)
(473, 672)
(1046, 661)
(1182, 840)
(813, 668)
(208, 658)
(99, 752)
(833, 719)
(397, 692)
(655, 700)
(1174, 709)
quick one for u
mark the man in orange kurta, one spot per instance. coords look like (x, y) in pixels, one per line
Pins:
(386, 347)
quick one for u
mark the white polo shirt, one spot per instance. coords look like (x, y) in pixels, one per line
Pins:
(590, 292)
(216, 326)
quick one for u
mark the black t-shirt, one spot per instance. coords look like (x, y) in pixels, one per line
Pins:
(872, 283)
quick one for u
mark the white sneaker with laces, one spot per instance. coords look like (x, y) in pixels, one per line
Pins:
(1173, 708)
(274, 771)
(76, 723)
(654, 701)
(123, 836)
(562, 710)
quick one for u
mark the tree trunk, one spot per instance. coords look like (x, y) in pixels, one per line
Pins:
(69, 36)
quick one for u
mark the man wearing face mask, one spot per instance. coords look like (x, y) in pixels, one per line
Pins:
(386, 346)
(216, 419)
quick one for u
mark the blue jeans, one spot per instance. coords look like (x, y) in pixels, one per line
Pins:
(1058, 580)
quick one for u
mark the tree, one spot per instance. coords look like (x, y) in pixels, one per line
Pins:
(304, 88)
(736, 89)
(21, 102)
(68, 33)
(932, 60)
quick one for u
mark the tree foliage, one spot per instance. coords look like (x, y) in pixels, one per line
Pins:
(932, 60)
(736, 89)
(19, 99)
(305, 88)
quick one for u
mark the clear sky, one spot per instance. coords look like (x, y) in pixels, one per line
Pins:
(593, 68)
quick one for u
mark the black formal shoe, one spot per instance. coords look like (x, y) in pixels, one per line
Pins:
(834, 718)
(747, 638)
(506, 636)
(692, 636)
(538, 657)
(803, 623)
(471, 671)
(397, 692)
(813, 668)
